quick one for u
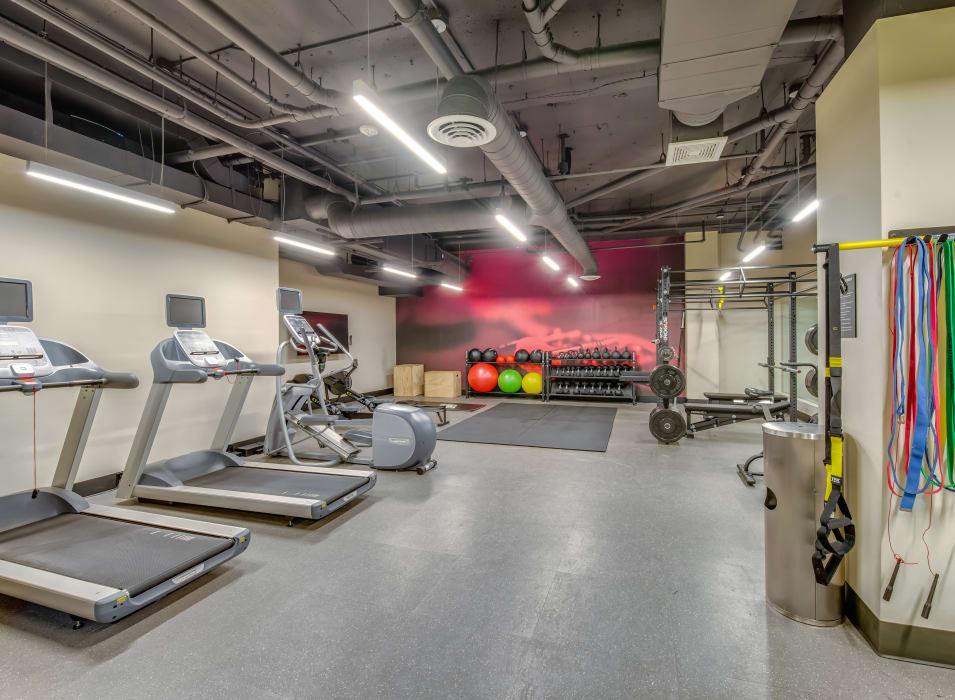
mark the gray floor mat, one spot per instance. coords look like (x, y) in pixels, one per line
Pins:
(559, 427)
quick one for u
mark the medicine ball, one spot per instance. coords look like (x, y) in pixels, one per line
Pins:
(489, 355)
(537, 357)
(474, 355)
(522, 355)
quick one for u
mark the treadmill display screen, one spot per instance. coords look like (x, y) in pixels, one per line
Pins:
(185, 312)
(197, 343)
(290, 301)
(14, 301)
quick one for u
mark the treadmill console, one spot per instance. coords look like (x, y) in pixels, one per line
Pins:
(199, 348)
(21, 354)
(301, 331)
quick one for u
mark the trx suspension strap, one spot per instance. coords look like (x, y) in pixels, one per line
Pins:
(835, 535)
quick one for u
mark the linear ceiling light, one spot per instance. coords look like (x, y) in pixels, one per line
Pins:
(726, 275)
(396, 271)
(305, 246)
(807, 210)
(572, 282)
(98, 187)
(368, 100)
(754, 252)
(511, 228)
(452, 286)
(552, 264)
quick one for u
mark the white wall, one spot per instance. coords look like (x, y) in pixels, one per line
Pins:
(371, 321)
(100, 272)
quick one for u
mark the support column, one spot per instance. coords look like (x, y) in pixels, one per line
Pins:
(885, 149)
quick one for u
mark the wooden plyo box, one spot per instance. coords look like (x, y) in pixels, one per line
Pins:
(409, 380)
(442, 384)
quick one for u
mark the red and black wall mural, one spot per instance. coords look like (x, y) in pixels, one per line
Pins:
(512, 300)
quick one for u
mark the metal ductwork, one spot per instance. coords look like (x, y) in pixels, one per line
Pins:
(470, 100)
(715, 53)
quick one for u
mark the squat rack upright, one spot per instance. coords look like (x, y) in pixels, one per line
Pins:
(749, 293)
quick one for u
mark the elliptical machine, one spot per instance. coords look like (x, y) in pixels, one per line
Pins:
(400, 436)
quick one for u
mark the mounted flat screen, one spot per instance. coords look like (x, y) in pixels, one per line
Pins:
(336, 323)
(185, 311)
(16, 303)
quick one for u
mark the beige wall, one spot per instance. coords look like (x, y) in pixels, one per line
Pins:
(100, 272)
(371, 321)
(885, 152)
(724, 348)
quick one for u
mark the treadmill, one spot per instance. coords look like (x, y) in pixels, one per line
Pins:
(59, 550)
(215, 477)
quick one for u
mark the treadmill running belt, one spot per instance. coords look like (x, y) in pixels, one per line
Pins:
(114, 553)
(276, 482)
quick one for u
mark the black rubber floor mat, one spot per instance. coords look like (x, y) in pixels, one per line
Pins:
(559, 427)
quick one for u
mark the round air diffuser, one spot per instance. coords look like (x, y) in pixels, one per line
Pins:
(461, 130)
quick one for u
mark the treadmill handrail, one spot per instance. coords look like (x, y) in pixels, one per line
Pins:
(106, 380)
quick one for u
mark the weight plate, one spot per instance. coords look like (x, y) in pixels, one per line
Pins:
(666, 353)
(667, 381)
(812, 382)
(812, 339)
(667, 425)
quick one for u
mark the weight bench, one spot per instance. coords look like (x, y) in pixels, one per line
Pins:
(714, 413)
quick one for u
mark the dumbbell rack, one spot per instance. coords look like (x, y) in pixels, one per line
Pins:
(554, 376)
(468, 391)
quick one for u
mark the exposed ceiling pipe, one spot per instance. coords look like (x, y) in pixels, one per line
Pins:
(292, 112)
(715, 196)
(378, 222)
(60, 19)
(70, 62)
(806, 96)
(415, 17)
(613, 186)
(234, 31)
(537, 20)
(192, 154)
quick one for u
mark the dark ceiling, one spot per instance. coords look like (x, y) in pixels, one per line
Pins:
(610, 115)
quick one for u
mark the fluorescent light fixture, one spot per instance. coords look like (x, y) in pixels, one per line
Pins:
(367, 99)
(452, 286)
(98, 187)
(304, 246)
(550, 263)
(511, 228)
(754, 252)
(573, 282)
(396, 271)
(807, 210)
(726, 275)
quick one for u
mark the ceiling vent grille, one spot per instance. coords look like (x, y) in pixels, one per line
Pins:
(698, 151)
(461, 130)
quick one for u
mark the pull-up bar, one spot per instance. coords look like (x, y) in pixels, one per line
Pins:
(893, 242)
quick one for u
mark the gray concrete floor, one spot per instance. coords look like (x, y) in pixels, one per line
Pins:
(508, 572)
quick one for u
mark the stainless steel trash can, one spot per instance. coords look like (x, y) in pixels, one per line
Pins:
(795, 479)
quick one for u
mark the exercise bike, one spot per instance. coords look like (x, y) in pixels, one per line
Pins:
(400, 436)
